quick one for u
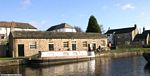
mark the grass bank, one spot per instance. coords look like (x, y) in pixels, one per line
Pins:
(5, 58)
(131, 50)
(123, 52)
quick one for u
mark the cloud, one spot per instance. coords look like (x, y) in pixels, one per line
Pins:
(142, 15)
(104, 7)
(41, 25)
(127, 7)
(117, 5)
(26, 3)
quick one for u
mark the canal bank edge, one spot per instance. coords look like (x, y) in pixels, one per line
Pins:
(118, 54)
(108, 54)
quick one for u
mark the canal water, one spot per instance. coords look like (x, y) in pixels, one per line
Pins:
(103, 66)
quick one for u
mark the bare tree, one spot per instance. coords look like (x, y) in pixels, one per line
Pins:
(102, 29)
(78, 29)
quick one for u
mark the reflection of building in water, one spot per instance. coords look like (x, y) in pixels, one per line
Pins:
(135, 61)
(78, 69)
(102, 66)
(10, 70)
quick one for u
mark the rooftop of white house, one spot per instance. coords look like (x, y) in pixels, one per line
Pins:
(60, 26)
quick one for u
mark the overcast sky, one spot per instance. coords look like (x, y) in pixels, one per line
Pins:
(45, 13)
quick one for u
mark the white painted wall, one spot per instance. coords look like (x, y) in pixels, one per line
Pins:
(65, 30)
(6, 31)
(19, 29)
(66, 53)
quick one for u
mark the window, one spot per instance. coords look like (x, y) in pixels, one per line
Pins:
(85, 44)
(2, 37)
(66, 44)
(127, 42)
(73, 45)
(33, 45)
(108, 35)
(103, 43)
(51, 46)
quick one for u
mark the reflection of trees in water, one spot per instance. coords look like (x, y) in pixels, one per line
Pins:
(127, 66)
(147, 67)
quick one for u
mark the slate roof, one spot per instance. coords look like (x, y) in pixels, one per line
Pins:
(54, 35)
(17, 25)
(59, 26)
(145, 33)
(138, 37)
(142, 36)
(121, 30)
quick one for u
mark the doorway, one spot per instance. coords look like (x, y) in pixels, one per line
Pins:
(21, 50)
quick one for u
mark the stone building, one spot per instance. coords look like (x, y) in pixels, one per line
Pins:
(143, 39)
(6, 28)
(122, 37)
(63, 27)
(29, 43)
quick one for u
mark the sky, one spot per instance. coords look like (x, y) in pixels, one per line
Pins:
(46, 13)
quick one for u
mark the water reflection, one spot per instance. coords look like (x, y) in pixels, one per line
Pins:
(106, 66)
(125, 66)
(9, 70)
(102, 67)
(76, 69)
(147, 69)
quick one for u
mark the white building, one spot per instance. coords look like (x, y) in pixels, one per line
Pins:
(63, 27)
(7, 27)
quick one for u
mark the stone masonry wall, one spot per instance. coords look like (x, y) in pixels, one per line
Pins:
(42, 45)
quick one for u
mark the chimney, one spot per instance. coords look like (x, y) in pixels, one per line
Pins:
(108, 28)
(143, 29)
(135, 25)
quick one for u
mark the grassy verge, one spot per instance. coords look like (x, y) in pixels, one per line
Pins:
(6, 58)
(122, 50)
(131, 50)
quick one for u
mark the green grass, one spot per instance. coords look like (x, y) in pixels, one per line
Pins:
(132, 50)
(121, 50)
(6, 58)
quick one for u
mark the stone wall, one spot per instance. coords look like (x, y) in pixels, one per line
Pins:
(42, 45)
(123, 40)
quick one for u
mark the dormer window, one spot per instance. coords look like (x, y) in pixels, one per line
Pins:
(108, 35)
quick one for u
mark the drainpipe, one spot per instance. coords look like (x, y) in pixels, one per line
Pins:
(114, 39)
(6, 32)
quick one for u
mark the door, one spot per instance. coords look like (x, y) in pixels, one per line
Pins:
(21, 50)
(94, 46)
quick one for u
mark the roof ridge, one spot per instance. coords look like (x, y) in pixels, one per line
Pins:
(56, 35)
(122, 28)
(17, 25)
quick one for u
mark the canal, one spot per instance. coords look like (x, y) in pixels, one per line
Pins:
(104, 66)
